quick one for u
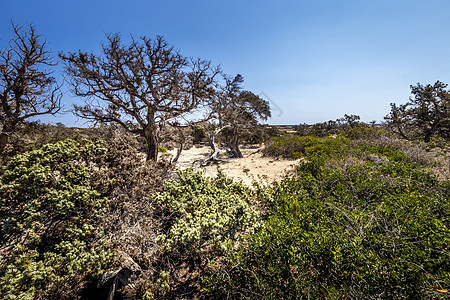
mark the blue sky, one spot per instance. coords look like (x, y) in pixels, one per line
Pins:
(315, 60)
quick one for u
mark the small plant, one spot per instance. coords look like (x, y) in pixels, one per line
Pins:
(162, 149)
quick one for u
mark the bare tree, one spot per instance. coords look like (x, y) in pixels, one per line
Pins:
(141, 86)
(27, 88)
(235, 110)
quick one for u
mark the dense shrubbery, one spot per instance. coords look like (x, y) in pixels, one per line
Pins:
(203, 217)
(291, 146)
(362, 217)
(32, 136)
(207, 212)
(67, 207)
(49, 212)
(377, 227)
(348, 126)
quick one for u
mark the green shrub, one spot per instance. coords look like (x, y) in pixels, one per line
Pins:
(49, 240)
(204, 216)
(438, 142)
(291, 146)
(362, 130)
(369, 230)
(207, 213)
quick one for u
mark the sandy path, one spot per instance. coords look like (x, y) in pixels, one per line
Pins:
(253, 166)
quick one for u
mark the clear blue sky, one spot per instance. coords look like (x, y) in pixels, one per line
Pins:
(316, 60)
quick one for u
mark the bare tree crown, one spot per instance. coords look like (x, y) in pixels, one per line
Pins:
(27, 87)
(141, 86)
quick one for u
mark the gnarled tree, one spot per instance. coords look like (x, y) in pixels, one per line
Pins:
(236, 110)
(27, 88)
(426, 114)
(141, 86)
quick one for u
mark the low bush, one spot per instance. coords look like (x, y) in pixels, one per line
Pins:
(49, 239)
(294, 147)
(373, 229)
(67, 211)
(206, 216)
(207, 212)
(362, 130)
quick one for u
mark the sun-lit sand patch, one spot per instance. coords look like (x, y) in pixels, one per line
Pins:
(252, 167)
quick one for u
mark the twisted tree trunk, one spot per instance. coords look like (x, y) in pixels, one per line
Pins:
(214, 157)
(182, 140)
(7, 130)
(151, 137)
(234, 145)
(4, 137)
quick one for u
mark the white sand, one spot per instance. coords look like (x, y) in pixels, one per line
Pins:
(252, 167)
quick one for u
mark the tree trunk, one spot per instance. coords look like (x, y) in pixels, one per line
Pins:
(7, 130)
(151, 136)
(234, 145)
(429, 132)
(214, 157)
(212, 143)
(182, 140)
(4, 137)
(152, 147)
(152, 142)
(180, 149)
(428, 136)
(400, 132)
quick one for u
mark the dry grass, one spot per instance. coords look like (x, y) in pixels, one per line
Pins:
(131, 220)
(436, 159)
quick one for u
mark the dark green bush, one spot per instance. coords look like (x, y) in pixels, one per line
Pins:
(367, 230)
(291, 146)
(49, 238)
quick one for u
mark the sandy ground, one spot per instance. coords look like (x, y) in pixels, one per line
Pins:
(252, 167)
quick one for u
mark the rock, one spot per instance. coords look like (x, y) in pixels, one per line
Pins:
(128, 271)
(377, 159)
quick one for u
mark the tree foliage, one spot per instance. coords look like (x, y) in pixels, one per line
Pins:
(27, 88)
(427, 113)
(237, 110)
(141, 86)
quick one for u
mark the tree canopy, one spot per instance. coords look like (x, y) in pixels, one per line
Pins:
(427, 113)
(27, 87)
(238, 109)
(141, 86)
